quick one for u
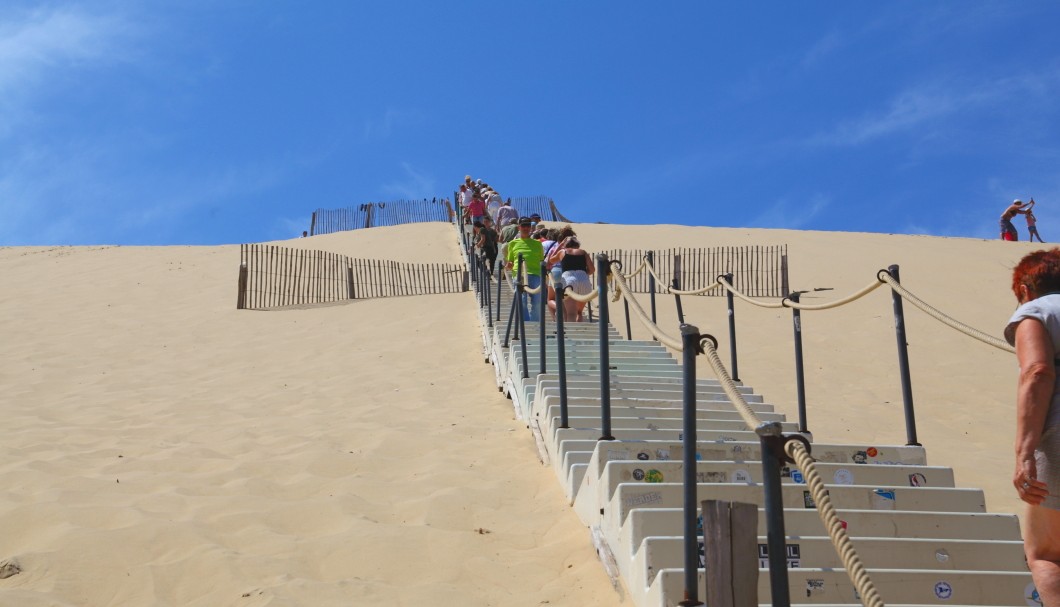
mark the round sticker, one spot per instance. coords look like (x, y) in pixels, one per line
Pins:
(643, 456)
(741, 476)
(871, 451)
(653, 476)
(943, 591)
(638, 474)
(843, 476)
(1031, 596)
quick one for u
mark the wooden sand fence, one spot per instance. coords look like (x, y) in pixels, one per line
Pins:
(376, 214)
(528, 205)
(273, 277)
(758, 271)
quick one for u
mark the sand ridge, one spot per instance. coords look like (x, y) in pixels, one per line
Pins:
(161, 447)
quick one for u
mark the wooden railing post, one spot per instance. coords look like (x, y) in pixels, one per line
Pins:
(730, 547)
(241, 298)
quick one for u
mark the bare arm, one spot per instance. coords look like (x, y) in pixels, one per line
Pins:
(1034, 350)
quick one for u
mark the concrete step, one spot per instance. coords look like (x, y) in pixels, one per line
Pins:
(595, 492)
(647, 522)
(719, 411)
(896, 586)
(572, 456)
(667, 552)
(628, 496)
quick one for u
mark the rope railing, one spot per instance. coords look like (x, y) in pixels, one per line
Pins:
(622, 291)
(795, 449)
(942, 317)
(668, 289)
(882, 277)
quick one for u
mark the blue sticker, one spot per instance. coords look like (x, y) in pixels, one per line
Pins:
(943, 591)
(796, 477)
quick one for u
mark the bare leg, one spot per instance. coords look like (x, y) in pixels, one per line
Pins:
(1042, 545)
(570, 310)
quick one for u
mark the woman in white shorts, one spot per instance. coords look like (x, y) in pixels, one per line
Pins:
(576, 266)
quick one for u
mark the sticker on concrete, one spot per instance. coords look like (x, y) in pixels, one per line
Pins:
(741, 476)
(917, 480)
(663, 454)
(807, 500)
(884, 499)
(617, 455)
(872, 452)
(653, 476)
(814, 587)
(942, 555)
(843, 476)
(943, 591)
(638, 474)
(860, 457)
(642, 500)
(793, 555)
(1031, 596)
(711, 477)
(643, 455)
(796, 477)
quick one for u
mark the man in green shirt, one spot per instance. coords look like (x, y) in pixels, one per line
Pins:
(533, 254)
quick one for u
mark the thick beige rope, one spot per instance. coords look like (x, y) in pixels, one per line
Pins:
(787, 303)
(943, 318)
(671, 290)
(621, 290)
(856, 571)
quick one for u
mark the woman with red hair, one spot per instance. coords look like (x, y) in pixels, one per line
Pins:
(1035, 332)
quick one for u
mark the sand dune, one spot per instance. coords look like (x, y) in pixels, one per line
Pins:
(160, 447)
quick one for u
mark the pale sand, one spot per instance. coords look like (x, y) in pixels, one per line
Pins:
(160, 447)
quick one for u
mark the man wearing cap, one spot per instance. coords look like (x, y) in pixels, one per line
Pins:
(533, 254)
(1008, 231)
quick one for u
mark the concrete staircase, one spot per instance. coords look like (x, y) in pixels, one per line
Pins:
(924, 541)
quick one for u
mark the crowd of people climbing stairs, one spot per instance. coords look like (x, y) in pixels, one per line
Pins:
(499, 231)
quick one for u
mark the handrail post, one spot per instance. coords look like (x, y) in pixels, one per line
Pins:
(561, 355)
(903, 360)
(241, 297)
(676, 283)
(489, 297)
(771, 440)
(541, 313)
(603, 267)
(800, 381)
(651, 285)
(511, 320)
(732, 330)
(500, 283)
(629, 329)
(689, 348)
(519, 287)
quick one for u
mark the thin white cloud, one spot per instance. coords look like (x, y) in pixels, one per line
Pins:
(791, 214)
(35, 43)
(929, 105)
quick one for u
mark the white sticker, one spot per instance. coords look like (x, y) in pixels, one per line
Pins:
(741, 476)
(943, 591)
(843, 476)
(941, 555)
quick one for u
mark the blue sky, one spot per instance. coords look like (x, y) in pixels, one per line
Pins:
(199, 122)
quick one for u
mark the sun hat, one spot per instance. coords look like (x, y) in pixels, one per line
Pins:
(1017, 202)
